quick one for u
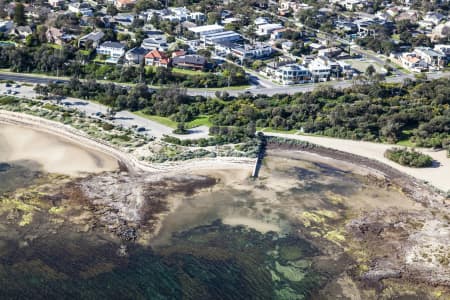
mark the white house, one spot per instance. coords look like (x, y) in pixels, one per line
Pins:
(435, 59)
(155, 42)
(222, 37)
(434, 17)
(444, 49)
(267, 29)
(320, 70)
(413, 62)
(201, 31)
(292, 74)
(80, 8)
(113, 50)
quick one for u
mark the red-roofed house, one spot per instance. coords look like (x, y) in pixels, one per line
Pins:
(124, 4)
(157, 58)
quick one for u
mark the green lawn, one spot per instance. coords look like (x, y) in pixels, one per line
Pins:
(270, 129)
(406, 143)
(162, 120)
(200, 121)
(189, 72)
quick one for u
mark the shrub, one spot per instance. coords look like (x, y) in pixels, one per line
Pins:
(410, 158)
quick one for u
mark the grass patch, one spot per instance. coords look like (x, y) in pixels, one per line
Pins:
(199, 121)
(189, 72)
(162, 120)
(273, 130)
(406, 143)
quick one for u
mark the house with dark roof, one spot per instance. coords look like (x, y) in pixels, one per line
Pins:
(92, 37)
(157, 58)
(136, 55)
(190, 61)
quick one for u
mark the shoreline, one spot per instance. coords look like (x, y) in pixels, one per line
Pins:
(374, 170)
(126, 161)
(436, 176)
(410, 183)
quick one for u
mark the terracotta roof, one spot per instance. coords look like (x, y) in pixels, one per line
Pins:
(156, 54)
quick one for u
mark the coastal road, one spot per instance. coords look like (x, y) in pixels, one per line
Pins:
(269, 91)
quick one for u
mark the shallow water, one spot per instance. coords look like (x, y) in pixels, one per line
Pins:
(262, 253)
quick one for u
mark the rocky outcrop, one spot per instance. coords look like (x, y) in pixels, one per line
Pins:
(126, 203)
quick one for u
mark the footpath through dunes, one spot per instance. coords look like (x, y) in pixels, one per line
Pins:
(438, 175)
(125, 160)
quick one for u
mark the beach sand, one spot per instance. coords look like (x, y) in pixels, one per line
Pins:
(53, 153)
(438, 175)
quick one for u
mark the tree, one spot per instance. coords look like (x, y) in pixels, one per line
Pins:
(370, 71)
(19, 14)
(213, 17)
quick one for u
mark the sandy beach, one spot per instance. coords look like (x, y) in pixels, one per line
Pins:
(54, 154)
(72, 135)
(438, 176)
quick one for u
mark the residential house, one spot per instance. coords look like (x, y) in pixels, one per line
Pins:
(258, 50)
(54, 36)
(113, 50)
(435, 59)
(286, 7)
(441, 31)
(434, 17)
(94, 38)
(23, 31)
(411, 15)
(191, 61)
(124, 19)
(350, 4)
(444, 49)
(330, 52)
(181, 14)
(6, 26)
(56, 3)
(157, 58)
(201, 31)
(221, 37)
(82, 8)
(261, 21)
(287, 46)
(124, 4)
(320, 70)
(136, 56)
(277, 34)
(267, 29)
(413, 62)
(155, 42)
(292, 74)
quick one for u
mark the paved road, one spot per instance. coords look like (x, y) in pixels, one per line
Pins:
(255, 90)
(124, 118)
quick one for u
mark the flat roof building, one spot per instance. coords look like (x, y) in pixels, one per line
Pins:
(206, 30)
